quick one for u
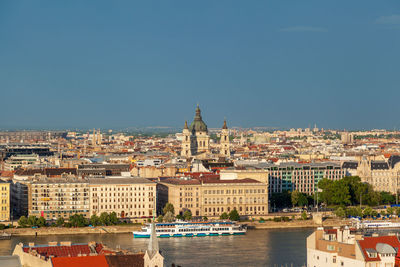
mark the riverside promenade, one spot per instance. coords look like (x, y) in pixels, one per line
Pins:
(116, 229)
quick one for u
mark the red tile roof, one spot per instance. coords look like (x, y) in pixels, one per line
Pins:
(371, 242)
(88, 261)
(64, 251)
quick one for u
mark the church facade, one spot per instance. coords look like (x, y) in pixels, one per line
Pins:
(196, 139)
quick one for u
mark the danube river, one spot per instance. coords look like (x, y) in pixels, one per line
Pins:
(257, 248)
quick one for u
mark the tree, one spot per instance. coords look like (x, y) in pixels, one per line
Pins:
(160, 218)
(304, 215)
(104, 218)
(234, 215)
(41, 222)
(205, 218)
(169, 217)
(340, 212)
(95, 220)
(367, 211)
(60, 221)
(340, 193)
(303, 201)
(23, 221)
(187, 215)
(77, 220)
(179, 217)
(113, 218)
(32, 220)
(168, 208)
(295, 197)
(387, 198)
(354, 212)
(389, 210)
(326, 186)
(224, 216)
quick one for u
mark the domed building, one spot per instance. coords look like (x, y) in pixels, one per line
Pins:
(196, 140)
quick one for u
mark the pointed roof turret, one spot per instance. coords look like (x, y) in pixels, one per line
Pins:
(186, 126)
(224, 126)
(153, 248)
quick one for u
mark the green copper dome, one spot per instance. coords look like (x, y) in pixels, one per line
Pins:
(198, 124)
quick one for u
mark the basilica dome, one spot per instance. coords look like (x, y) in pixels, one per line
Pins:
(198, 124)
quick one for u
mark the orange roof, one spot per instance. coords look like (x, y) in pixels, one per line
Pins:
(371, 242)
(86, 261)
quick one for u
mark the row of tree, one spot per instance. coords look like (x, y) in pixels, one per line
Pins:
(351, 191)
(76, 220)
(366, 212)
(345, 192)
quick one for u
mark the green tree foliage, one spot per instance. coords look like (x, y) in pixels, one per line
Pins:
(390, 210)
(60, 221)
(205, 218)
(354, 212)
(340, 212)
(304, 215)
(367, 212)
(224, 216)
(113, 218)
(160, 218)
(169, 217)
(180, 217)
(23, 221)
(387, 198)
(187, 215)
(347, 191)
(169, 208)
(95, 220)
(77, 220)
(397, 210)
(108, 218)
(104, 218)
(234, 215)
(41, 222)
(32, 220)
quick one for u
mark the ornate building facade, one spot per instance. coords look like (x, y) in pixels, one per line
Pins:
(196, 140)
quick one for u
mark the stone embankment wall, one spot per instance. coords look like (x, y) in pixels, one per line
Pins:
(71, 231)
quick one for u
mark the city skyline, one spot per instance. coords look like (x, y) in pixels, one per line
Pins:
(75, 65)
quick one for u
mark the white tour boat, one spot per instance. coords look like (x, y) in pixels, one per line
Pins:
(192, 229)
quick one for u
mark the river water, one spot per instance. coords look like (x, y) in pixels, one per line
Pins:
(256, 248)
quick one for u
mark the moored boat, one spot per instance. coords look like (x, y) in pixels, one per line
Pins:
(192, 229)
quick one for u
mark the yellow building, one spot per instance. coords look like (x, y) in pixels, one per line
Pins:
(213, 197)
(5, 201)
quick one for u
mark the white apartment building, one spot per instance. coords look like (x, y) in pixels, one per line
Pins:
(132, 198)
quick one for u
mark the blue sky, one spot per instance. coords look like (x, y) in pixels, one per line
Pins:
(109, 64)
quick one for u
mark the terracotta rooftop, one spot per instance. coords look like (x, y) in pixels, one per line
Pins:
(97, 261)
(64, 250)
(371, 242)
